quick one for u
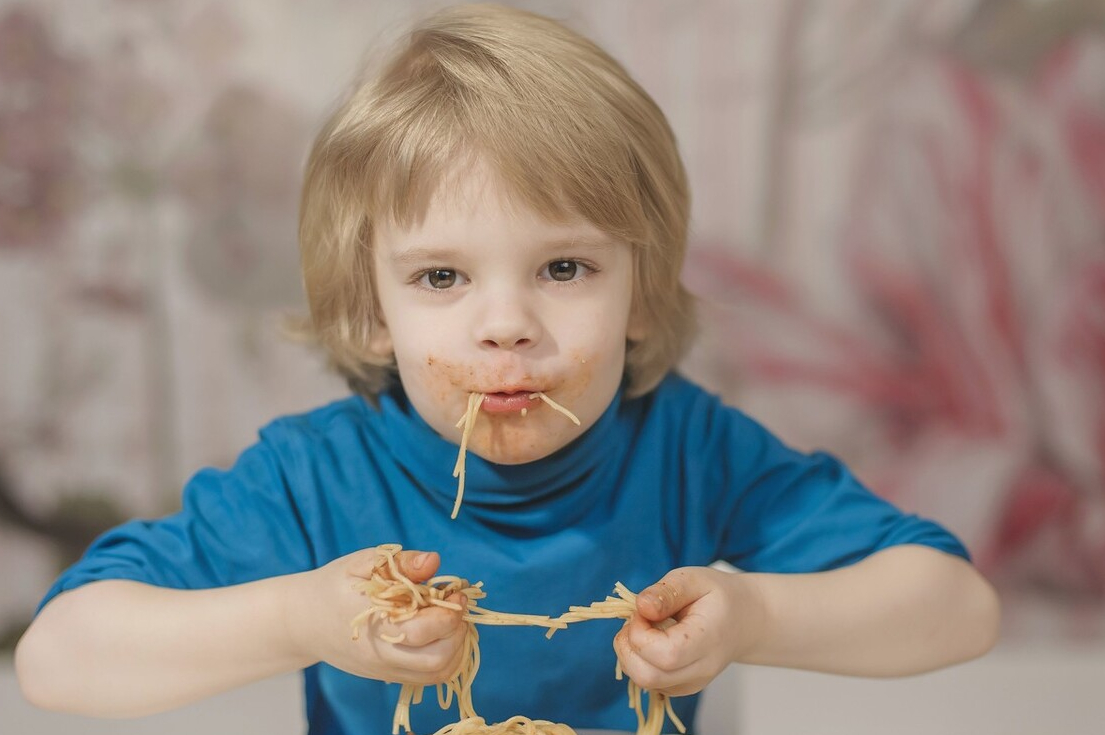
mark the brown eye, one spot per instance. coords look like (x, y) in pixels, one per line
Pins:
(563, 270)
(441, 278)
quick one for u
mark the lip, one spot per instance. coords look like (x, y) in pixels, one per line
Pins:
(508, 401)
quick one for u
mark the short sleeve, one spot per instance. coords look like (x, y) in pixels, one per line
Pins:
(235, 526)
(787, 511)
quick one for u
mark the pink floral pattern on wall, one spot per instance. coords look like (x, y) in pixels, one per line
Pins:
(966, 371)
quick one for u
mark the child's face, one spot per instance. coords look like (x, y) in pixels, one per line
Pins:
(487, 296)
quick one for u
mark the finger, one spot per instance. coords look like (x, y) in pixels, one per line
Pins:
(677, 682)
(363, 563)
(675, 591)
(636, 667)
(430, 657)
(432, 624)
(418, 566)
(459, 647)
(667, 649)
(431, 663)
(427, 625)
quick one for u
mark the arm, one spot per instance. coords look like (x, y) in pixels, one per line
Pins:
(903, 610)
(123, 649)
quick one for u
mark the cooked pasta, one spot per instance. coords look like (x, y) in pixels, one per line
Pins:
(468, 420)
(556, 406)
(650, 721)
(517, 725)
(394, 597)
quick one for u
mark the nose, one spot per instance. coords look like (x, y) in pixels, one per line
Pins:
(508, 321)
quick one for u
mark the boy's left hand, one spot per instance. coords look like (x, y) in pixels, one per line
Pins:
(717, 617)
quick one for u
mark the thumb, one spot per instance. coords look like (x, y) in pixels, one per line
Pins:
(418, 566)
(675, 591)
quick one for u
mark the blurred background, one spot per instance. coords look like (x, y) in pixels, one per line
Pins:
(898, 237)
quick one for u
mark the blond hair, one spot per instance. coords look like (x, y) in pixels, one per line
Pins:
(562, 123)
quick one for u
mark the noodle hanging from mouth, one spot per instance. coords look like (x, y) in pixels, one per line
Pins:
(556, 406)
(475, 400)
(468, 420)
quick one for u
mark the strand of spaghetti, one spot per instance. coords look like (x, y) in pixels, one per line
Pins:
(402, 717)
(463, 424)
(475, 400)
(414, 589)
(670, 710)
(556, 406)
(484, 616)
(464, 416)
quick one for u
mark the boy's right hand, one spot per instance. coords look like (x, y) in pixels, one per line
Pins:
(326, 603)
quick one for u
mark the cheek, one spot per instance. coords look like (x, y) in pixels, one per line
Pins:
(438, 379)
(581, 378)
(599, 341)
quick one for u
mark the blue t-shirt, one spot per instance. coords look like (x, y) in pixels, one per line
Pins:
(674, 478)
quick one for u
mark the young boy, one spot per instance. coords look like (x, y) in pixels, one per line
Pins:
(503, 212)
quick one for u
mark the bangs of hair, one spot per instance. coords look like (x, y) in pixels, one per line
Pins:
(565, 137)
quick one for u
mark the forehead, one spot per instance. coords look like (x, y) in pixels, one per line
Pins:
(472, 199)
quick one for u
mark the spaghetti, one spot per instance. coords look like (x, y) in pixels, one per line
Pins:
(394, 597)
(514, 726)
(556, 406)
(650, 721)
(475, 400)
(468, 420)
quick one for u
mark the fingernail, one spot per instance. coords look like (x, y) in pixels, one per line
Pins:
(420, 561)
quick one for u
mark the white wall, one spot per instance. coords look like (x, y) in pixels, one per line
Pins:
(1019, 689)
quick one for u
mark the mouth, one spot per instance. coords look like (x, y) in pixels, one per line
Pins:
(509, 401)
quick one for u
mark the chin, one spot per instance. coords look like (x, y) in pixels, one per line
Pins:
(517, 441)
(514, 455)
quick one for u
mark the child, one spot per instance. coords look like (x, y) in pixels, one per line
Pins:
(503, 212)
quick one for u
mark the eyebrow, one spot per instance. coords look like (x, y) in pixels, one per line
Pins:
(419, 254)
(585, 242)
(416, 255)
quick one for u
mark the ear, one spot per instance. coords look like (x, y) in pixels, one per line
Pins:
(379, 341)
(637, 328)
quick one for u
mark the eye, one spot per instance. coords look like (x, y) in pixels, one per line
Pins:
(566, 270)
(439, 278)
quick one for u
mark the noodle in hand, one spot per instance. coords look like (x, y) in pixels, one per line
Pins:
(624, 606)
(394, 597)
